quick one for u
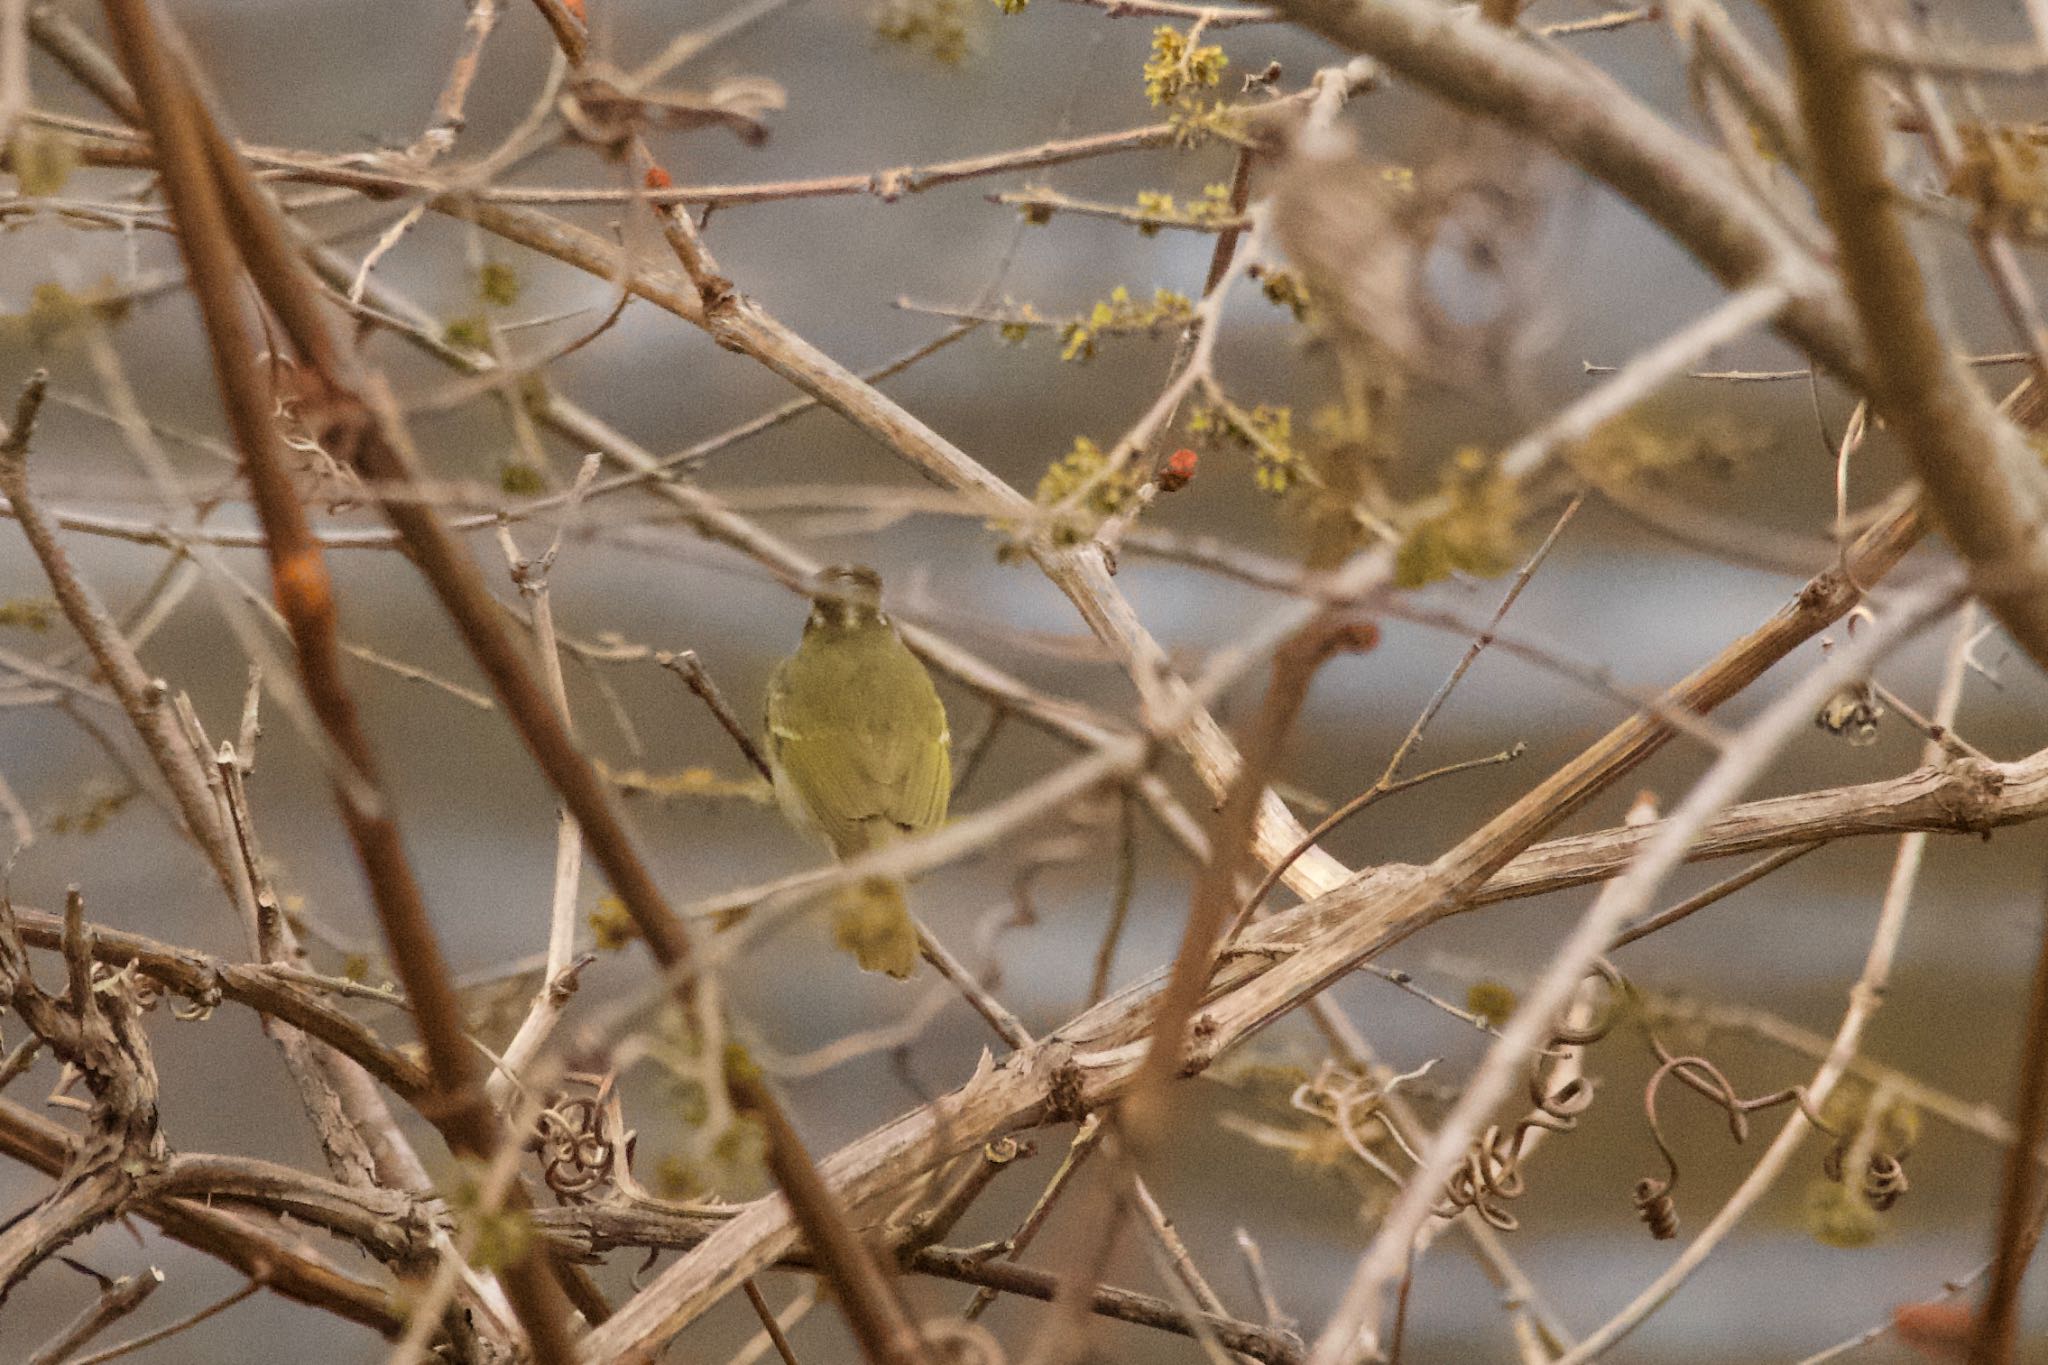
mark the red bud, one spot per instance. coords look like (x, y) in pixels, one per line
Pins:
(1179, 468)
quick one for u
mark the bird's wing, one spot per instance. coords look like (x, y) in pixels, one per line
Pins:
(912, 776)
(824, 779)
(864, 776)
(917, 798)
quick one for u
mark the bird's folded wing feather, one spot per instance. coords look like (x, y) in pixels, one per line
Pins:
(862, 761)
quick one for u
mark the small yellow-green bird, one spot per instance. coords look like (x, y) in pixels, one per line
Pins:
(858, 744)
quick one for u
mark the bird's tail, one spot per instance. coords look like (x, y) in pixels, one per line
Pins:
(872, 921)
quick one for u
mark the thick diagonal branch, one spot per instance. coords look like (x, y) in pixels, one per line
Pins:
(1986, 482)
(205, 213)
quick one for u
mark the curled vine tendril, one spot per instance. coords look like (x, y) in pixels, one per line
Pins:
(579, 1145)
(1491, 1174)
(1884, 1173)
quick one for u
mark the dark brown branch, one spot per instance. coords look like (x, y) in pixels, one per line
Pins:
(210, 217)
(1261, 1343)
(1143, 1115)
(873, 1309)
(1997, 1327)
(686, 666)
(1143, 1119)
(768, 1323)
(591, 1230)
(364, 422)
(448, 568)
(299, 575)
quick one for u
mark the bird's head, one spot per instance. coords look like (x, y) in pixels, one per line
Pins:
(845, 597)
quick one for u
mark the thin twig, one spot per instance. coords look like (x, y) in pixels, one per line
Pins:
(1386, 785)
(169, 1330)
(768, 1322)
(1120, 897)
(799, 1307)
(1087, 1139)
(999, 1016)
(1004, 1277)
(140, 696)
(686, 666)
(558, 981)
(1727, 886)
(118, 1298)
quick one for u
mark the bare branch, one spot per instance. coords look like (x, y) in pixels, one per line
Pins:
(1356, 1318)
(169, 1330)
(272, 1260)
(1985, 480)
(96, 1033)
(2019, 1215)
(209, 217)
(141, 697)
(1591, 121)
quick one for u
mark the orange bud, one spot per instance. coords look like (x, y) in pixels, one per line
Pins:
(658, 179)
